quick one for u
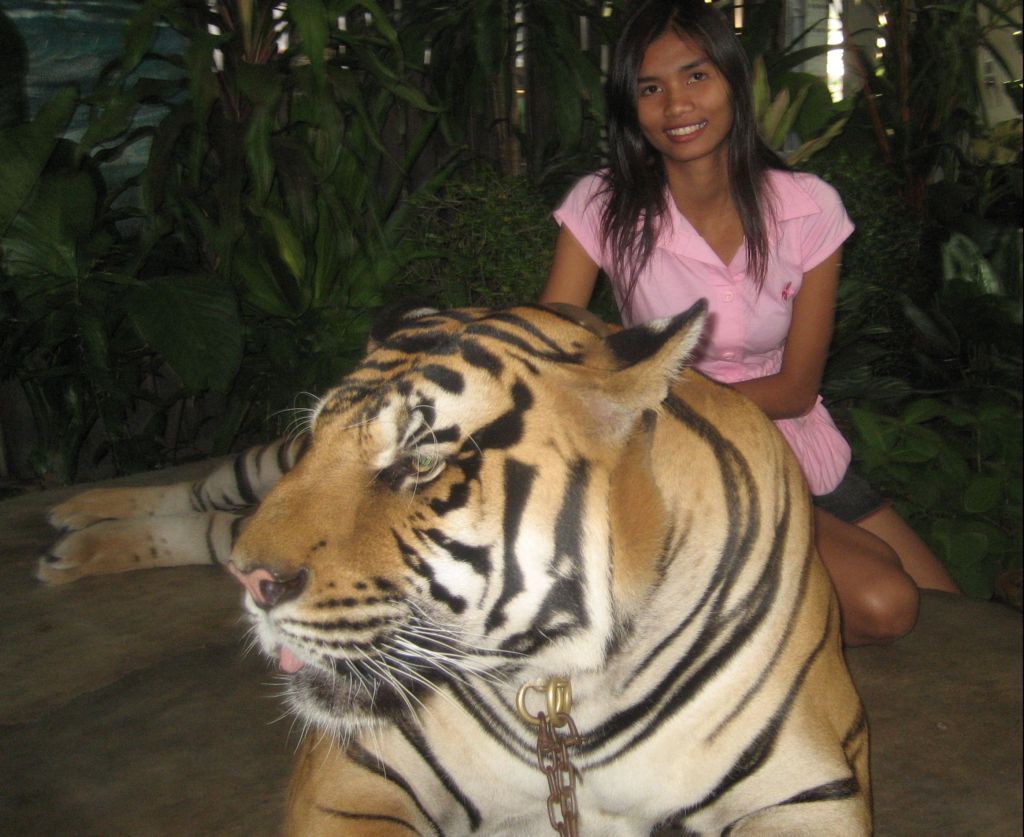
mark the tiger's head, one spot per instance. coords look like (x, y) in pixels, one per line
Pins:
(476, 498)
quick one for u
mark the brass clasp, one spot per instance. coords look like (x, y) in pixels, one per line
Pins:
(558, 695)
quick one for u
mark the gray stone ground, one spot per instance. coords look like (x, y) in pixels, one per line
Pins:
(128, 707)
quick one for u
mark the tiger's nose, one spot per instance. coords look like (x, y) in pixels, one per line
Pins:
(268, 589)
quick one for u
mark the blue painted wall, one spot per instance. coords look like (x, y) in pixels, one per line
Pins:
(70, 43)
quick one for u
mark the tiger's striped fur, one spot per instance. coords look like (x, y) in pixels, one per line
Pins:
(495, 498)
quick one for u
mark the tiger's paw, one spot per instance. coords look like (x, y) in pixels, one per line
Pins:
(110, 546)
(105, 504)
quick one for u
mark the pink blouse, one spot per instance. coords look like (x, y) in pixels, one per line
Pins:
(747, 329)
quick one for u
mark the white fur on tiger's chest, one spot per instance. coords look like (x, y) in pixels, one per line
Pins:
(506, 788)
(512, 798)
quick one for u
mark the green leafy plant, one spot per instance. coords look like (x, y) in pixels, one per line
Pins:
(283, 172)
(483, 240)
(265, 224)
(947, 446)
(802, 107)
(924, 370)
(955, 473)
(522, 94)
(61, 265)
(922, 100)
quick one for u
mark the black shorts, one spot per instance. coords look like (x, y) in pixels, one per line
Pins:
(852, 500)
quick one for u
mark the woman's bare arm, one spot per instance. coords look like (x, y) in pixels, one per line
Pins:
(573, 273)
(793, 390)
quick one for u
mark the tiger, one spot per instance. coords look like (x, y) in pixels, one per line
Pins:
(495, 501)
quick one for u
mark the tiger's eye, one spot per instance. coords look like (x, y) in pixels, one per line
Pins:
(423, 463)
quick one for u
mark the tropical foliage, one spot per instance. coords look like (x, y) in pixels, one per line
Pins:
(308, 161)
(263, 225)
(926, 361)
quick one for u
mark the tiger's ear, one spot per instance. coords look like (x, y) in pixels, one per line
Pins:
(391, 318)
(646, 360)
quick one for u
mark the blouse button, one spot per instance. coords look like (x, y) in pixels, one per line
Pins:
(728, 296)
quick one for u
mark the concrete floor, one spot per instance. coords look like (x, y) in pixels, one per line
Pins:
(128, 707)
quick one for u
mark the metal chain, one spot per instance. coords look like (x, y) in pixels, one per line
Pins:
(553, 752)
(553, 760)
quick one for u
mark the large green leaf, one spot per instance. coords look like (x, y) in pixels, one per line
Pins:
(140, 32)
(872, 427)
(938, 338)
(158, 173)
(260, 83)
(258, 153)
(257, 283)
(116, 116)
(922, 410)
(983, 494)
(309, 17)
(24, 150)
(760, 91)
(192, 322)
(916, 448)
(328, 267)
(288, 245)
(963, 259)
(44, 238)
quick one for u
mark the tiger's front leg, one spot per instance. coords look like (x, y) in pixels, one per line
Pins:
(102, 504)
(332, 794)
(113, 530)
(117, 546)
(844, 818)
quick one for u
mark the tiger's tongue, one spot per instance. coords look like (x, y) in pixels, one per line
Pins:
(287, 661)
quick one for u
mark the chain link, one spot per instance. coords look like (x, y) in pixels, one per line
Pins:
(553, 751)
(553, 760)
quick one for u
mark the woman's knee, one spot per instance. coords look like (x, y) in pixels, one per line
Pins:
(882, 611)
(878, 599)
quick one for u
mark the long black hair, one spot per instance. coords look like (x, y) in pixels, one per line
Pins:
(635, 179)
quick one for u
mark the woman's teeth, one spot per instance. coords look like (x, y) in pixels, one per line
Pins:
(688, 129)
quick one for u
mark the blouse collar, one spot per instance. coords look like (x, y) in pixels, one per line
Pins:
(790, 199)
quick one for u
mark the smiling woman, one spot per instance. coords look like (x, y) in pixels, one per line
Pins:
(694, 205)
(684, 106)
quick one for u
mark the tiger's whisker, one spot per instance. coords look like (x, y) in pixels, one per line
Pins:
(450, 664)
(409, 669)
(386, 676)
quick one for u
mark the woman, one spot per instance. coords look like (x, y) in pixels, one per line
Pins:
(694, 204)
